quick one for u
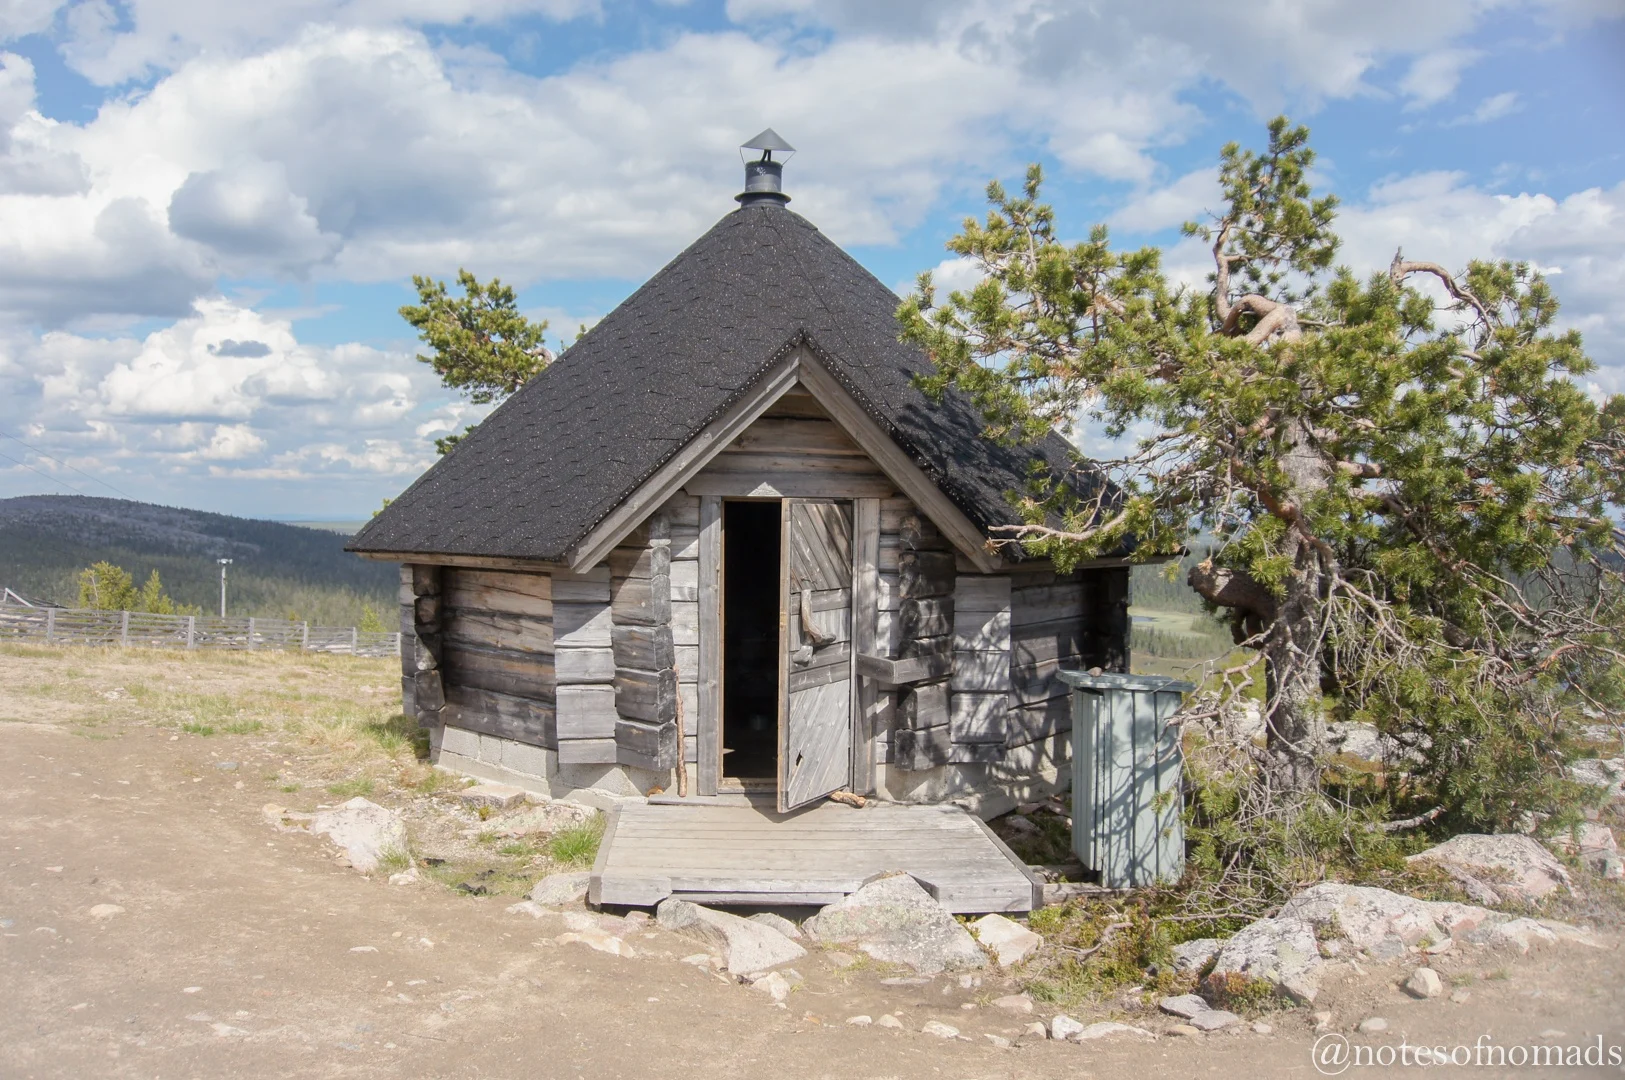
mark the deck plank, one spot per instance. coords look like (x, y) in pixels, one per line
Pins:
(750, 854)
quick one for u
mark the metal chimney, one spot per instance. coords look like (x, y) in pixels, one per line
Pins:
(764, 177)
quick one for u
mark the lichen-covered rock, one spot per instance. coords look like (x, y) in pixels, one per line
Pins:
(1605, 773)
(1193, 955)
(1214, 1020)
(1280, 952)
(745, 946)
(1588, 839)
(1530, 872)
(1377, 920)
(895, 921)
(1184, 1006)
(366, 831)
(1107, 1028)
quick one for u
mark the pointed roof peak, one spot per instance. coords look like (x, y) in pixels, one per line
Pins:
(769, 140)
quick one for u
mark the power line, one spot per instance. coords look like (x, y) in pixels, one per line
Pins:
(65, 465)
(48, 476)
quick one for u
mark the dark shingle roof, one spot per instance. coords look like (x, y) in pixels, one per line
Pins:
(563, 452)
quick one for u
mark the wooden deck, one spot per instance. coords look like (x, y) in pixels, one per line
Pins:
(749, 854)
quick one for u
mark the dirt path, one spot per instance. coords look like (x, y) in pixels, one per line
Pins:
(246, 952)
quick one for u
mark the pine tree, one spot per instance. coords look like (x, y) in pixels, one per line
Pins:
(1409, 499)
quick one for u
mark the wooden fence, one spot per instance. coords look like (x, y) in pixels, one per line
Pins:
(63, 626)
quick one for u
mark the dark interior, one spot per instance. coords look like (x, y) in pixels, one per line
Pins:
(750, 639)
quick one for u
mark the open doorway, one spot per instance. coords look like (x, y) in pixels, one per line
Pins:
(750, 640)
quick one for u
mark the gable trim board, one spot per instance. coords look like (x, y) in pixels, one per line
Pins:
(799, 365)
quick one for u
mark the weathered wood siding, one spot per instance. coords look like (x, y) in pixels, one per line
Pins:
(1077, 620)
(497, 652)
(793, 451)
(642, 650)
(682, 512)
(582, 640)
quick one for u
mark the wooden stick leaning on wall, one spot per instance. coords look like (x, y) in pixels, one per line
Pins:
(682, 744)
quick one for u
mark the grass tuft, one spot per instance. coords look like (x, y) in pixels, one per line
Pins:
(349, 789)
(577, 845)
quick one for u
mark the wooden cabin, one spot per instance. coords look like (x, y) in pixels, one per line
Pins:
(729, 509)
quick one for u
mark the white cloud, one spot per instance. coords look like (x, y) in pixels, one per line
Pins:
(1434, 76)
(111, 44)
(1189, 198)
(1491, 108)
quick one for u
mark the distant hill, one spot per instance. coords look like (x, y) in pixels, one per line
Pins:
(278, 570)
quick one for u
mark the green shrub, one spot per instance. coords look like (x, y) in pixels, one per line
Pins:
(577, 845)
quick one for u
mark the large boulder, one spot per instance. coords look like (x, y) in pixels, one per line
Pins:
(1370, 918)
(895, 921)
(1193, 955)
(366, 831)
(744, 946)
(1521, 867)
(1281, 952)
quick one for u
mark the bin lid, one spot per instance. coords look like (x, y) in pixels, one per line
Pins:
(1083, 680)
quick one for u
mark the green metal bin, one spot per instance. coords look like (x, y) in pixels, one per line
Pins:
(1127, 763)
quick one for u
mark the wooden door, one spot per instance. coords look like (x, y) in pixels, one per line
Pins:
(815, 651)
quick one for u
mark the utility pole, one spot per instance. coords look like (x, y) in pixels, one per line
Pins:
(223, 564)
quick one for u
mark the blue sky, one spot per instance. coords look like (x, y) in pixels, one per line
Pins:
(209, 213)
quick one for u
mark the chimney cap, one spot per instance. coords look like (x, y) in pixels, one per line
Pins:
(768, 141)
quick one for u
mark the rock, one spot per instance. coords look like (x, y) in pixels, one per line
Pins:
(1063, 1027)
(773, 984)
(998, 1040)
(970, 982)
(1608, 774)
(1322, 1019)
(1424, 983)
(1589, 838)
(563, 889)
(859, 1021)
(745, 946)
(1214, 1020)
(888, 1021)
(1372, 1025)
(105, 911)
(1368, 918)
(841, 960)
(1010, 941)
(528, 907)
(895, 921)
(409, 876)
(1184, 1029)
(699, 959)
(226, 766)
(1609, 867)
(492, 796)
(1533, 873)
(1016, 1003)
(940, 1030)
(1520, 934)
(1184, 1006)
(779, 923)
(1460, 997)
(1035, 1030)
(1261, 1028)
(1362, 741)
(1440, 947)
(366, 831)
(1019, 824)
(1193, 955)
(636, 920)
(1279, 951)
(601, 940)
(1107, 1028)
(546, 817)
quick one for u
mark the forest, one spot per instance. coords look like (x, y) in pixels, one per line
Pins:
(277, 570)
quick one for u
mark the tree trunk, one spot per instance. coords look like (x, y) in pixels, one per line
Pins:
(1292, 649)
(1297, 725)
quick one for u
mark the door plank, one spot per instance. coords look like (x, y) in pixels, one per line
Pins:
(816, 696)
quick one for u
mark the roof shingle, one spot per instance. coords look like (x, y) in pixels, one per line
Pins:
(556, 457)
